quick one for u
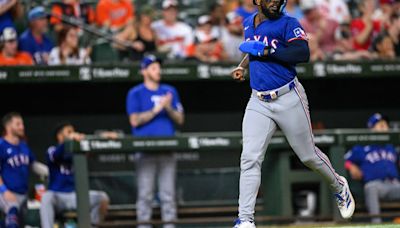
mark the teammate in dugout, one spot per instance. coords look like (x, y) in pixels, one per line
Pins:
(16, 160)
(274, 44)
(153, 109)
(377, 167)
(61, 188)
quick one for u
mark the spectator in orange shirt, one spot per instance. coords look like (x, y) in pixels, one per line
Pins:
(115, 15)
(364, 29)
(9, 54)
(82, 12)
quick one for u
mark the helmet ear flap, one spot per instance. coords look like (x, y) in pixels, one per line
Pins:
(283, 5)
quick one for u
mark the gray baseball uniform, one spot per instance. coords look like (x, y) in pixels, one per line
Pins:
(380, 189)
(53, 202)
(289, 112)
(147, 167)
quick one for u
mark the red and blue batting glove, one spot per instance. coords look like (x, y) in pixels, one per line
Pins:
(252, 47)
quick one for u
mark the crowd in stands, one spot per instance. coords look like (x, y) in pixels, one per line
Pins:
(341, 30)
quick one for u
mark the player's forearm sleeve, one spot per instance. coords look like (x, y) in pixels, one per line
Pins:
(40, 169)
(296, 52)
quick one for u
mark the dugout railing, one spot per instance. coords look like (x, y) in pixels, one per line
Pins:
(185, 71)
(280, 172)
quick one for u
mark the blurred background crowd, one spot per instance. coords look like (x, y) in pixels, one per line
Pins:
(68, 32)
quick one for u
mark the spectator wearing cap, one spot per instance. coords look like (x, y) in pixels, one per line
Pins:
(153, 109)
(293, 9)
(232, 36)
(377, 167)
(207, 47)
(117, 16)
(33, 40)
(246, 9)
(173, 37)
(68, 51)
(383, 47)
(76, 10)
(364, 28)
(9, 54)
(322, 30)
(9, 11)
(142, 38)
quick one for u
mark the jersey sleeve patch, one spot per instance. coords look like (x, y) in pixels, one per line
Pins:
(299, 34)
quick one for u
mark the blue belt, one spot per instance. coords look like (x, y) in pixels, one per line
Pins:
(274, 94)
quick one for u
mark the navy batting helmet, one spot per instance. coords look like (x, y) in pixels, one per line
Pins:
(284, 2)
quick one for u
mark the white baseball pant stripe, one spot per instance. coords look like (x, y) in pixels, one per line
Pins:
(319, 153)
(290, 113)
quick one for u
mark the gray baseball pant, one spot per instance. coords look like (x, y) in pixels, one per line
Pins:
(147, 168)
(53, 202)
(379, 189)
(6, 205)
(290, 112)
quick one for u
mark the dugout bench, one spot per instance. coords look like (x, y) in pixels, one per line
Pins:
(279, 169)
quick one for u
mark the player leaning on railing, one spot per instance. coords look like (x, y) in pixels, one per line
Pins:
(274, 44)
(61, 195)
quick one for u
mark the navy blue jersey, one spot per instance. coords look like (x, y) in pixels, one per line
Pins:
(267, 73)
(6, 20)
(140, 99)
(37, 49)
(377, 162)
(15, 162)
(60, 168)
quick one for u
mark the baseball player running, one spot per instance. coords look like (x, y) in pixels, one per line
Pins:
(274, 44)
(61, 194)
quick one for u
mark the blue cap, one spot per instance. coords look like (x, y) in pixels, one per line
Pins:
(375, 118)
(147, 60)
(36, 13)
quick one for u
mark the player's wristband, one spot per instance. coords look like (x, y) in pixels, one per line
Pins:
(3, 189)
